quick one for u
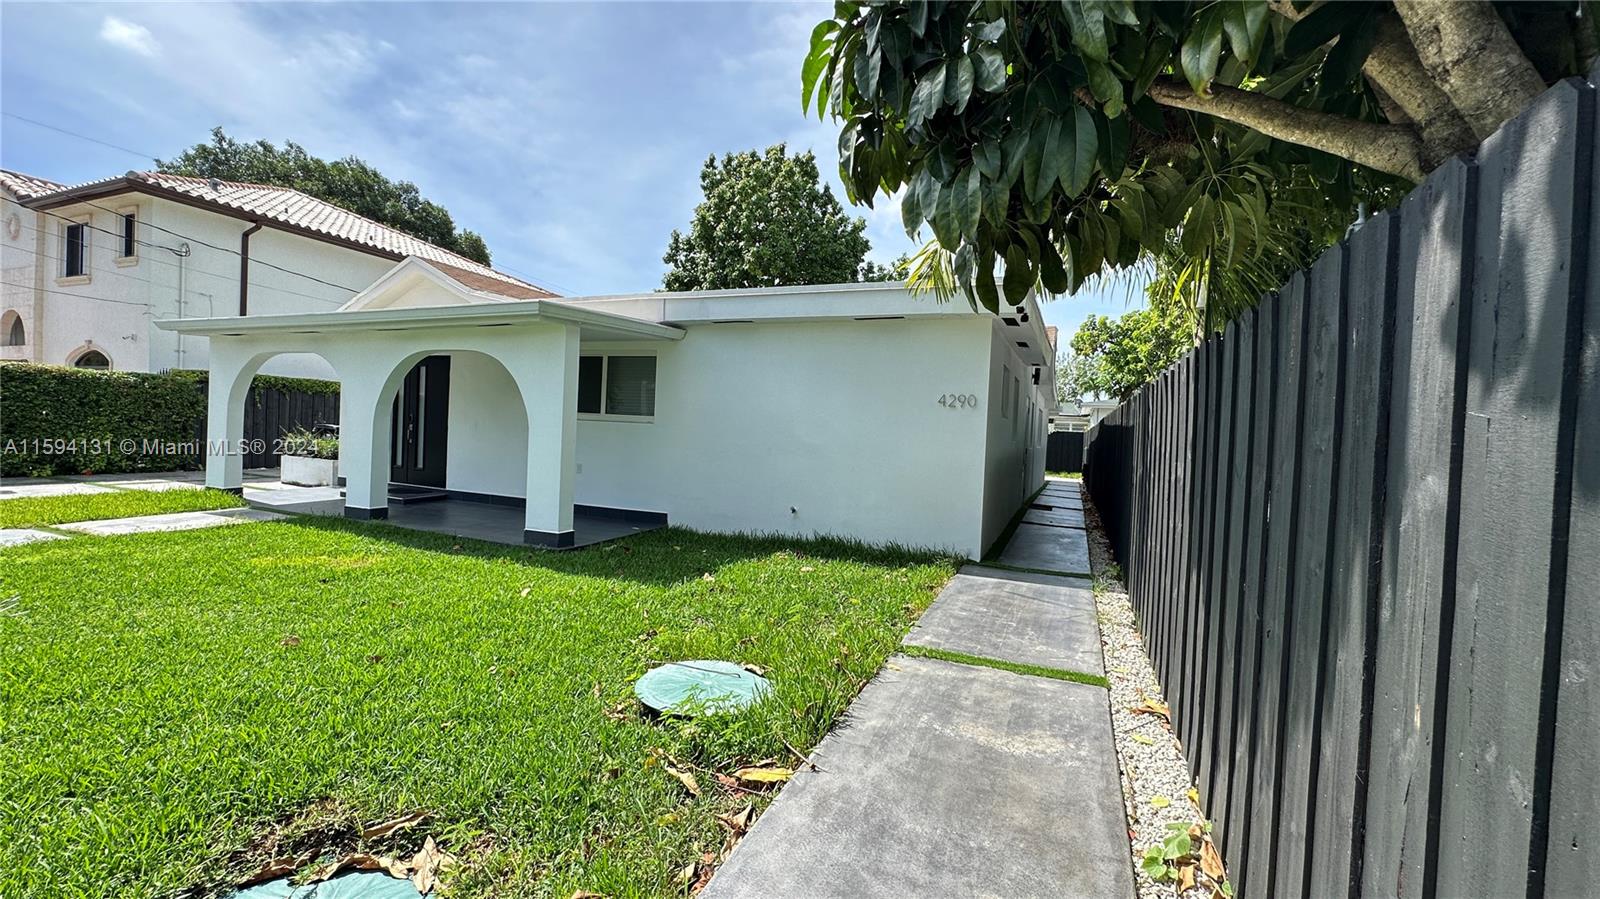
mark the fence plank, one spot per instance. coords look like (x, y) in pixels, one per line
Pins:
(1281, 513)
(1342, 739)
(1519, 318)
(1575, 806)
(1214, 665)
(1417, 597)
(1196, 527)
(1225, 698)
(1317, 473)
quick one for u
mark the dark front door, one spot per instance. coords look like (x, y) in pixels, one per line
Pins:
(421, 409)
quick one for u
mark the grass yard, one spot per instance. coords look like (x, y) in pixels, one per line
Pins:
(33, 511)
(175, 709)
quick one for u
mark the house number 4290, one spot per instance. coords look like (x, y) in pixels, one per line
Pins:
(959, 401)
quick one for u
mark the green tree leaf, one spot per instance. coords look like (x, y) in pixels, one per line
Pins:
(1201, 50)
(1046, 157)
(1079, 148)
(927, 97)
(990, 68)
(958, 84)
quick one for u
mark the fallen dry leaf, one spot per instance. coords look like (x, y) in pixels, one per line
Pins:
(291, 640)
(1211, 861)
(526, 591)
(1185, 878)
(685, 778)
(425, 866)
(757, 670)
(281, 866)
(585, 894)
(363, 861)
(394, 825)
(764, 775)
(739, 821)
(807, 568)
(1153, 707)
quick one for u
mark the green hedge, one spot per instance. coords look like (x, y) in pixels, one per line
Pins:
(56, 420)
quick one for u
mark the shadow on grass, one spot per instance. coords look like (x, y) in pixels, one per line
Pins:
(660, 557)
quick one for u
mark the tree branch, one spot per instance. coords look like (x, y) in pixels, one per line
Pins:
(1473, 58)
(1395, 69)
(1405, 87)
(1395, 149)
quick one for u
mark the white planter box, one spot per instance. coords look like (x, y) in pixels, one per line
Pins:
(304, 471)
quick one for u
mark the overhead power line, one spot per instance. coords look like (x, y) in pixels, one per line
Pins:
(92, 140)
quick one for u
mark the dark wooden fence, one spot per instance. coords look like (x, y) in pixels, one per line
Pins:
(1063, 451)
(1361, 531)
(269, 412)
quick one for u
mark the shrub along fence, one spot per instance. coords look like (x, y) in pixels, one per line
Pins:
(56, 420)
(1361, 532)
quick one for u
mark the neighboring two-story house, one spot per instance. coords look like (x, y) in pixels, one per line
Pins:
(86, 269)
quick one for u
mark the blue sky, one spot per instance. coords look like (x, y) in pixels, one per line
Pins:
(570, 135)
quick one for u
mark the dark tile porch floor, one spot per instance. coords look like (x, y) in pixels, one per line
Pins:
(456, 517)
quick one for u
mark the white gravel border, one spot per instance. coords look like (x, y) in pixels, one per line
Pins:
(1148, 752)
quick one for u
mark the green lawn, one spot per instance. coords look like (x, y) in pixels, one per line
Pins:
(32, 511)
(176, 708)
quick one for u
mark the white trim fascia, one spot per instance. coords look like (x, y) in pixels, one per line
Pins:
(513, 312)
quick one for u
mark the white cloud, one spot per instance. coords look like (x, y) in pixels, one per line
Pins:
(129, 36)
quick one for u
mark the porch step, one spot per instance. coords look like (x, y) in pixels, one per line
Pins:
(406, 494)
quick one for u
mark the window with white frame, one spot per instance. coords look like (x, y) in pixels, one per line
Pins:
(623, 386)
(74, 249)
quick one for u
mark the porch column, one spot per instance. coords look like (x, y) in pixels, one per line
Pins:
(546, 371)
(364, 412)
(227, 384)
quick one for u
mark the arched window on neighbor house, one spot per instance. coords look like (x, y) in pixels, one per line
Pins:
(92, 359)
(11, 330)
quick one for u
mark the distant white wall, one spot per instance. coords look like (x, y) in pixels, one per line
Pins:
(802, 428)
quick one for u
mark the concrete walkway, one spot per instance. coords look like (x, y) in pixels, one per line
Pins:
(955, 779)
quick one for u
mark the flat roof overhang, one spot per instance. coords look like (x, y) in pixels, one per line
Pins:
(592, 323)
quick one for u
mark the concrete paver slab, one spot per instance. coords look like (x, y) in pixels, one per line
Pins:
(36, 488)
(19, 536)
(948, 780)
(1049, 548)
(1067, 518)
(1034, 619)
(176, 521)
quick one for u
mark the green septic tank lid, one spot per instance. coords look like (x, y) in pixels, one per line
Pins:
(700, 686)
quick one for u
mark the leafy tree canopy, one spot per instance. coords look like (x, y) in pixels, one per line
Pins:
(1114, 357)
(349, 182)
(767, 220)
(1229, 140)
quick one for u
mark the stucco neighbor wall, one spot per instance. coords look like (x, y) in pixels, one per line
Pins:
(803, 428)
(113, 307)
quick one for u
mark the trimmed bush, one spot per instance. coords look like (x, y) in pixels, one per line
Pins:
(56, 420)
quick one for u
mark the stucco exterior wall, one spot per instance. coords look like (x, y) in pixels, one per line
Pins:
(805, 428)
(1014, 437)
(113, 307)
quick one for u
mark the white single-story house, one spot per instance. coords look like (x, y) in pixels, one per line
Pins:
(855, 410)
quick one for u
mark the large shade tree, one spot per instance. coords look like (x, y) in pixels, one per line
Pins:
(350, 183)
(1230, 140)
(767, 220)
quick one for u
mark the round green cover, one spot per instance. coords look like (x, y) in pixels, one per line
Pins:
(700, 686)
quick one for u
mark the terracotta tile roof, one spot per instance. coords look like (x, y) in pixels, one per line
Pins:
(495, 286)
(292, 208)
(27, 187)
